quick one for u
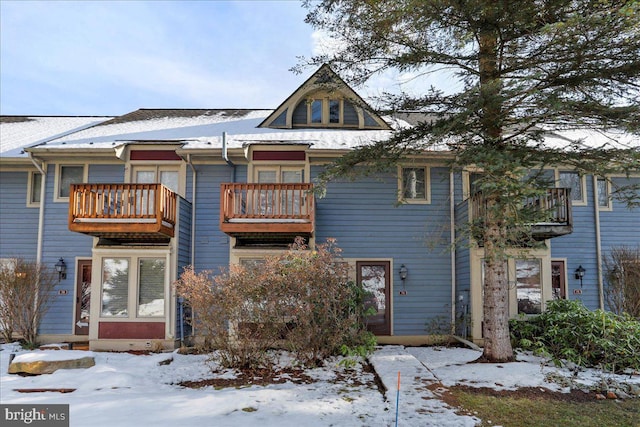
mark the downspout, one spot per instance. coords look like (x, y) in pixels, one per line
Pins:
(43, 195)
(452, 234)
(43, 186)
(194, 179)
(596, 214)
(192, 256)
(225, 156)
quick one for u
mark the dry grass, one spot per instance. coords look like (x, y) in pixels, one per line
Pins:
(525, 409)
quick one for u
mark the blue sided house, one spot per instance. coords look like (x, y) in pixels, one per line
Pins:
(123, 204)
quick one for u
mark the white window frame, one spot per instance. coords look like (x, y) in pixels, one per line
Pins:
(157, 169)
(325, 119)
(466, 180)
(513, 293)
(57, 183)
(427, 184)
(477, 288)
(583, 185)
(546, 293)
(134, 286)
(279, 169)
(102, 272)
(609, 205)
(164, 290)
(31, 191)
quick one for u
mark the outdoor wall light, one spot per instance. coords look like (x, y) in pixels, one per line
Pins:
(403, 272)
(580, 273)
(61, 268)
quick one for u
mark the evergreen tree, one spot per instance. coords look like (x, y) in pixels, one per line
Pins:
(526, 68)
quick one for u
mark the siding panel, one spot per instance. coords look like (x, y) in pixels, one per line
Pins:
(367, 223)
(212, 245)
(59, 242)
(19, 224)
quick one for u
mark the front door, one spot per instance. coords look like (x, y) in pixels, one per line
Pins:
(375, 279)
(83, 297)
(558, 284)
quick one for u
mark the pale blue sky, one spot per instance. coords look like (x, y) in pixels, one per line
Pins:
(112, 57)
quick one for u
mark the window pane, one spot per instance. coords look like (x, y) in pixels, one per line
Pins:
(115, 287)
(603, 193)
(290, 201)
(69, 175)
(573, 181)
(528, 286)
(316, 111)
(474, 182)
(36, 184)
(252, 263)
(267, 177)
(145, 177)
(291, 177)
(151, 287)
(374, 286)
(170, 180)
(414, 183)
(334, 111)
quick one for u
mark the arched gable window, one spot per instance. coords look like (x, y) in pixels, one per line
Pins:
(324, 101)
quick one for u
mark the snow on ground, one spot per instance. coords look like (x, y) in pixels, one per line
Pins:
(131, 390)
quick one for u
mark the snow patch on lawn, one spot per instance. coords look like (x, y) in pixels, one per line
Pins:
(123, 389)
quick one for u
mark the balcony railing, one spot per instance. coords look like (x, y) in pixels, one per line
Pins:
(266, 208)
(118, 210)
(554, 206)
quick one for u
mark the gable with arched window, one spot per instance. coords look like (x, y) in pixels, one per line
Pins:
(324, 101)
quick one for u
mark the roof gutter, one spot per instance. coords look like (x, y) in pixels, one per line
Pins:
(36, 163)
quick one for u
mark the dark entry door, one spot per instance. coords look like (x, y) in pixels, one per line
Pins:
(83, 297)
(558, 284)
(375, 279)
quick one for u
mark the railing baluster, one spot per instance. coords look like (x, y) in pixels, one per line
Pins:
(122, 201)
(268, 201)
(555, 201)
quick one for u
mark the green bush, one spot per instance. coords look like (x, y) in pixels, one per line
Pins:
(569, 331)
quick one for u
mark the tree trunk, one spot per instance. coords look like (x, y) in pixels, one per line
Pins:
(495, 327)
(497, 342)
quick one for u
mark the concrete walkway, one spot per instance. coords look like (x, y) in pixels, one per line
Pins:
(418, 406)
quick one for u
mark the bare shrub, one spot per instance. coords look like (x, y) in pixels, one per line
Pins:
(622, 277)
(300, 300)
(26, 293)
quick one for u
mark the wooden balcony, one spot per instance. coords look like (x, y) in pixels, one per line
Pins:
(555, 206)
(123, 212)
(267, 209)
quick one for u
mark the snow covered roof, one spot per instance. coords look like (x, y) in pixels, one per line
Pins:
(203, 129)
(592, 138)
(19, 132)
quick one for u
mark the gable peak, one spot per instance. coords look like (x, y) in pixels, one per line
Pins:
(324, 101)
